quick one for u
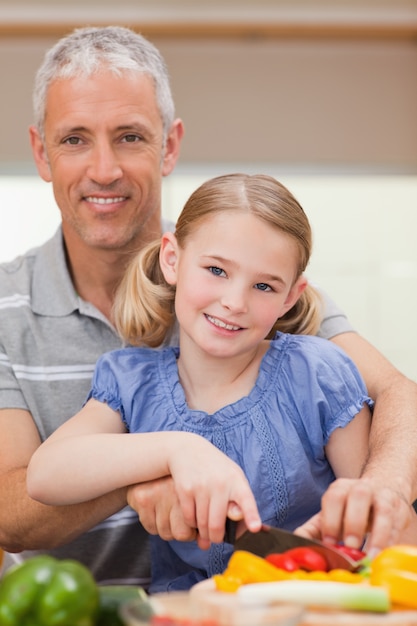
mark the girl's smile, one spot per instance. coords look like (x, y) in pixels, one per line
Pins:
(222, 324)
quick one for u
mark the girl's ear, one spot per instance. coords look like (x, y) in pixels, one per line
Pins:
(294, 293)
(168, 258)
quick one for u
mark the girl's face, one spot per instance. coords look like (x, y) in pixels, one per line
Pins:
(235, 276)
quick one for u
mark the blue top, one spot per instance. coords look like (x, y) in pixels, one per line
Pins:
(306, 388)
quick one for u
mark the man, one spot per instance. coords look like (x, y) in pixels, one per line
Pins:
(105, 134)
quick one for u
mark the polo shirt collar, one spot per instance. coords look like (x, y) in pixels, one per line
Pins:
(53, 292)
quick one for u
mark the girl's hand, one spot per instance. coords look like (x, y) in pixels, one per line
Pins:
(211, 487)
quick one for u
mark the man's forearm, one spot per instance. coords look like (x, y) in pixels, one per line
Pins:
(29, 525)
(393, 439)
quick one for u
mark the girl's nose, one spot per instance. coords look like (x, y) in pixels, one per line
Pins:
(235, 300)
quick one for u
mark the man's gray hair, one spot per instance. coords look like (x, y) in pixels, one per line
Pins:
(119, 49)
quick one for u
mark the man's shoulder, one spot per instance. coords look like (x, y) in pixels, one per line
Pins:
(16, 274)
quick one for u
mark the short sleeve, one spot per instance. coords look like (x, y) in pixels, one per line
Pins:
(325, 390)
(11, 395)
(104, 386)
(335, 321)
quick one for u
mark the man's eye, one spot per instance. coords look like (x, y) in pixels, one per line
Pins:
(263, 287)
(73, 141)
(131, 138)
(217, 271)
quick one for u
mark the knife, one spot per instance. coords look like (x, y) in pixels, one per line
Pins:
(270, 539)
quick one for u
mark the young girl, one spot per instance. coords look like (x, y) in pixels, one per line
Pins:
(243, 416)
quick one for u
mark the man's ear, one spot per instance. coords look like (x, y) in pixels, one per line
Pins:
(168, 258)
(172, 147)
(39, 154)
(294, 293)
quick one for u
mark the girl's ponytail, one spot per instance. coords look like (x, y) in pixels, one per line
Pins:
(143, 311)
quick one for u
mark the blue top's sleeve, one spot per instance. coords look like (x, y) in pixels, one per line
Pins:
(322, 381)
(104, 386)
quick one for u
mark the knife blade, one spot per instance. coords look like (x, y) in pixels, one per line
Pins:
(270, 539)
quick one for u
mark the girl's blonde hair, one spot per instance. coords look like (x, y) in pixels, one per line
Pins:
(144, 312)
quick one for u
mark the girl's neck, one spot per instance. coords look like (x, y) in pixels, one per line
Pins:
(211, 383)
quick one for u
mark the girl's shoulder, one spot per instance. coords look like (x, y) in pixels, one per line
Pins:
(307, 346)
(307, 353)
(131, 358)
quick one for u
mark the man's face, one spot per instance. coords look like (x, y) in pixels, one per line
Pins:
(104, 155)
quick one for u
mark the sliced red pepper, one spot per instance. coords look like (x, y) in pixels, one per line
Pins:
(353, 553)
(283, 561)
(308, 559)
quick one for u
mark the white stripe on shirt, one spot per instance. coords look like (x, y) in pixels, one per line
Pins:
(51, 372)
(15, 301)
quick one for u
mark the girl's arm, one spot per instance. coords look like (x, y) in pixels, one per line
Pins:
(91, 455)
(348, 447)
(347, 452)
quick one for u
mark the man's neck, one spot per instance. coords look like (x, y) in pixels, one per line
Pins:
(96, 272)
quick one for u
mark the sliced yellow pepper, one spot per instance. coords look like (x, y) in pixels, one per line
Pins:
(227, 583)
(401, 557)
(344, 576)
(250, 568)
(401, 585)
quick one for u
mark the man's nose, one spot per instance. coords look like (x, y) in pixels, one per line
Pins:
(104, 167)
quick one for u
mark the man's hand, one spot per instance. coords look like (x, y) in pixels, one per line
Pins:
(157, 505)
(355, 510)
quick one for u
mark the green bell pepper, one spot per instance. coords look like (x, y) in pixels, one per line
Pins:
(44, 591)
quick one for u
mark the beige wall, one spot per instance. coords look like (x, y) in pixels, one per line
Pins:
(319, 103)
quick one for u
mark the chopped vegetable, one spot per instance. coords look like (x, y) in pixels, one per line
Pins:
(227, 583)
(352, 553)
(245, 568)
(396, 568)
(345, 576)
(308, 559)
(401, 585)
(283, 560)
(401, 557)
(318, 594)
(250, 568)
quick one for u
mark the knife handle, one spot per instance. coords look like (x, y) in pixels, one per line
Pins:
(230, 531)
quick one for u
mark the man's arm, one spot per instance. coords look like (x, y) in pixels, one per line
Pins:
(393, 439)
(389, 478)
(24, 523)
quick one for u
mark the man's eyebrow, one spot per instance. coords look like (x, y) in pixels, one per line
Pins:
(66, 130)
(137, 126)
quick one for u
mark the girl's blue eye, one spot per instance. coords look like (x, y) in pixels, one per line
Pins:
(217, 271)
(263, 287)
